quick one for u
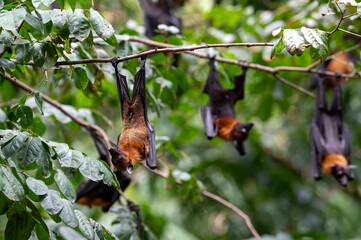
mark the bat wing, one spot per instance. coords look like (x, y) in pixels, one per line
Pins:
(336, 103)
(346, 137)
(122, 86)
(318, 150)
(152, 157)
(238, 91)
(212, 82)
(208, 121)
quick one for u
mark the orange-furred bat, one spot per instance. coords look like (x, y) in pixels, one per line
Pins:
(342, 63)
(330, 138)
(92, 193)
(136, 141)
(219, 116)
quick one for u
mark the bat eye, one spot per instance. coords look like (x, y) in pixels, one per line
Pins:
(227, 96)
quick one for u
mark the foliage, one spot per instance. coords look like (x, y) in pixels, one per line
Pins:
(39, 171)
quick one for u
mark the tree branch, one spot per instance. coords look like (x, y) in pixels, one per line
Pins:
(164, 47)
(89, 126)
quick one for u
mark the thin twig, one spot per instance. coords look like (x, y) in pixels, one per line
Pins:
(301, 89)
(88, 126)
(351, 33)
(236, 210)
(338, 24)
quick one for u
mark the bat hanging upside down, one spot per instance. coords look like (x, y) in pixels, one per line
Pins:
(136, 141)
(219, 116)
(330, 138)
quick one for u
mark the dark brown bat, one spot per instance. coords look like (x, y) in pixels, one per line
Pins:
(136, 141)
(342, 63)
(160, 12)
(219, 116)
(330, 138)
(92, 193)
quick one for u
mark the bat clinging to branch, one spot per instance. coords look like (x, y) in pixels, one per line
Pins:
(219, 116)
(330, 138)
(136, 141)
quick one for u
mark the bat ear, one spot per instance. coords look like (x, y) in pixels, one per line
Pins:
(130, 168)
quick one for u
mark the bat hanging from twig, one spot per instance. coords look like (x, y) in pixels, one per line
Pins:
(342, 63)
(219, 116)
(136, 141)
(330, 138)
(93, 193)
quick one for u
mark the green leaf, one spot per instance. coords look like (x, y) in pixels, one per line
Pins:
(72, 4)
(12, 187)
(35, 22)
(318, 41)
(5, 203)
(80, 78)
(102, 232)
(84, 225)
(91, 168)
(109, 177)
(45, 3)
(72, 159)
(26, 116)
(52, 202)
(19, 226)
(7, 64)
(278, 47)
(7, 135)
(7, 37)
(39, 101)
(294, 42)
(11, 20)
(38, 54)
(102, 28)
(67, 214)
(43, 160)
(15, 144)
(59, 18)
(23, 53)
(38, 187)
(41, 232)
(65, 186)
(50, 56)
(79, 25)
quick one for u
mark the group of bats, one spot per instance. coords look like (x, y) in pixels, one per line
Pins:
(330, 138)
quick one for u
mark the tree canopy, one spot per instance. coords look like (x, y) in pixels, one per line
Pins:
(58, 86)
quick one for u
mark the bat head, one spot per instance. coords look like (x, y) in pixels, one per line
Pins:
(241, 131)
(120, 160)
(342, 172)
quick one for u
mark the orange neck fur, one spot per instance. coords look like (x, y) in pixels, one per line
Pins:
(226, 126)
(332, 159)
